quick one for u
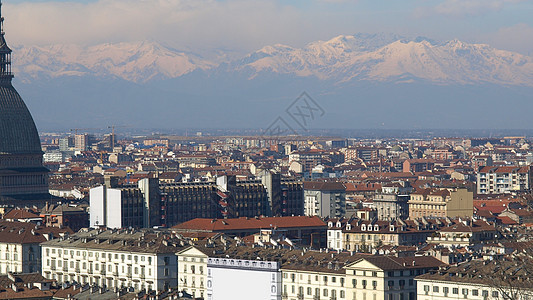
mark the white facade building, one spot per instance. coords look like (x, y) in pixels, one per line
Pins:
(20, 250)
(140, 259)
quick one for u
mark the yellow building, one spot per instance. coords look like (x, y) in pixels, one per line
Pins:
(441, 202)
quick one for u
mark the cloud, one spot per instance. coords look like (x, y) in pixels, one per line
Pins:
(517, 38)
(463, 8)
(190, 23)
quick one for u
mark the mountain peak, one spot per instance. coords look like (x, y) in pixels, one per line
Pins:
(341, 59)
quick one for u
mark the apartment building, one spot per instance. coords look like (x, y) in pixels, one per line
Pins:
(387, 277)
(501, 180)
(367, 235)
(477, 280)
(192, 270)
(441, 202)
(20, 250)
(324, 199)
(392, 201)
(113, 258)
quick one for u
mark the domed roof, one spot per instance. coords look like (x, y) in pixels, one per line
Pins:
(18, 134)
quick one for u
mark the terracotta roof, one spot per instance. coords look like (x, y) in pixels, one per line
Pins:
(250, 223)
(27, 233)
(506, 220)
(17, 214)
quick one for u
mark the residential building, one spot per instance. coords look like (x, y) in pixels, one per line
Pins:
(300, 229)
(392, 202)
(137, 259)
(65, 215)
(477, 280)
(387, 277)
(500, 180)
(192, 270)
(367, 235)
(441, 202)
(464, 233)
(324, 199)
(20, 250)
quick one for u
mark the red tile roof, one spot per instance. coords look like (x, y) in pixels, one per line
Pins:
(250, 223)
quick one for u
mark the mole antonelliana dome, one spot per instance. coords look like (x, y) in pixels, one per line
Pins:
(23, 179)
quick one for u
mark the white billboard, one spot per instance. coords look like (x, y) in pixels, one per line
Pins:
(239, 279)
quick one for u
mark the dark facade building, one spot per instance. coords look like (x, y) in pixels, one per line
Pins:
(23, 179)
(150, 203)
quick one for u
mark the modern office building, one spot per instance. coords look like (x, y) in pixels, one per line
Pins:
(150, 203)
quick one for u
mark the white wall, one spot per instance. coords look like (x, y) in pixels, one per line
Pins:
(97, 206)
(242, 283)
(114, 208)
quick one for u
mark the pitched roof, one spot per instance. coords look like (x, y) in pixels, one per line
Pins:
(27, 233)
(244, 223)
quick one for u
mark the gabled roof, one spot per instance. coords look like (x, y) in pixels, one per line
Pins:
(391, 263)
(243, 223)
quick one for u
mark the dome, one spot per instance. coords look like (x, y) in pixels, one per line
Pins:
(18, 134)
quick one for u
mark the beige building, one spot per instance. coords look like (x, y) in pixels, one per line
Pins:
(477, 280)
(192, 271)
(441, 202)
(387, 277)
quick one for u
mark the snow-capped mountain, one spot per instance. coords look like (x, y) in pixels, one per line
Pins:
(378, 57)
(346, 58)
(137, 62)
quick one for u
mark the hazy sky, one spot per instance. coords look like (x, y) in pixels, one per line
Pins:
(246, 25)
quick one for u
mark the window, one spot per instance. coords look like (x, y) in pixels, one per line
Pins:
(325, 292)
(475, 292)
(455, 291)
(495, 294)
(309, 291)
(435, 289)
(374, 274)
(354, 282)
(342, 294)
(364, 284)
(374, 284)
(446, 290)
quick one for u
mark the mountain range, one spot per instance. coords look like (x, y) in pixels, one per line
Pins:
(341, 59)
(147, 82)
